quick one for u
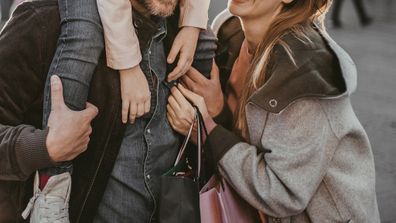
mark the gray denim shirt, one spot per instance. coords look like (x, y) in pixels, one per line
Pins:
(148, 149)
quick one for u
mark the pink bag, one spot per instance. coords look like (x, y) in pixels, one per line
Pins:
(219, 203)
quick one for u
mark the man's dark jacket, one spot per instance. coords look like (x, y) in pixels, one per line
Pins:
(27, 45)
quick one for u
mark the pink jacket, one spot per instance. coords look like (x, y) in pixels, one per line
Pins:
(122, 45)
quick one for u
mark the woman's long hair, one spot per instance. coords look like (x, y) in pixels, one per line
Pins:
(295, 17)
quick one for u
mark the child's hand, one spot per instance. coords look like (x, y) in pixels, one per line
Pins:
(135, 94)
(184, 45)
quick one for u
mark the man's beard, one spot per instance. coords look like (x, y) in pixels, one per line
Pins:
(163, 8)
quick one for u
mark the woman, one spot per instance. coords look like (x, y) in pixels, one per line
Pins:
(297, 151)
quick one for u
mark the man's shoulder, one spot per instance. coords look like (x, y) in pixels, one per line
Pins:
(39, 7)
(40, 4)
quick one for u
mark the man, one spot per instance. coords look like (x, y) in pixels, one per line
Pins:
(117, 178)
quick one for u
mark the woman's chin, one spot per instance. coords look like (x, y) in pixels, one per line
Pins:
(239, 8)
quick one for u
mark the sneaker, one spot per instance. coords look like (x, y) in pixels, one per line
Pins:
(50, 205)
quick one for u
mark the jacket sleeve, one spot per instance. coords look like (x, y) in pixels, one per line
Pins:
(22, 151)
(22, 147)
(282, 182)
(121, 41)
(194, 13)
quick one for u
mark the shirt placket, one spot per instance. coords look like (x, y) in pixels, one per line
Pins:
(154, 88)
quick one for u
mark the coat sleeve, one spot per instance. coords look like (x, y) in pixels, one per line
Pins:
(22, 147)
(121, 41)
(282, 182)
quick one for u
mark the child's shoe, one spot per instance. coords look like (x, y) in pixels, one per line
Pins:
(50, 205)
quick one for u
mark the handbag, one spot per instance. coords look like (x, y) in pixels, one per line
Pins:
(179, 190)
(220, 203)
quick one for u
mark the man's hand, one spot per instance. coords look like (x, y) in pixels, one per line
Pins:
(184, 45)
(69, 130)
(135, 94)
(209, 89)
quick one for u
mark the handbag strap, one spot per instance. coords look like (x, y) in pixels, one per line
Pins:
(200, 126)
(185, 143)
(201, 121)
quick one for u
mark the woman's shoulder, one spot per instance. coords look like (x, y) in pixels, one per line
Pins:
(303, 45)
(302, 66)
(308, 56)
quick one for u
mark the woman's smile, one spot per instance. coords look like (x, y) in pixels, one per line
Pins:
(240, 1)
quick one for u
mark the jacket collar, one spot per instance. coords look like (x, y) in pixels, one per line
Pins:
(314, 76)
(148, 28)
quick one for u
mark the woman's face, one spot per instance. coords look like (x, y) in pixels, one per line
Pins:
(254, 8)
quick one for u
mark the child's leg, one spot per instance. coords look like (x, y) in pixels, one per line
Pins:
(79, 47)
(205, 52)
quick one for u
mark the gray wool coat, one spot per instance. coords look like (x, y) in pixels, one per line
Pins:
(308, 158)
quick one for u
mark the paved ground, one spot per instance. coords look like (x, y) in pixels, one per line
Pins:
(374, 51)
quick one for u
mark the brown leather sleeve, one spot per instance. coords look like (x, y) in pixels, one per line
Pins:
(22, 147)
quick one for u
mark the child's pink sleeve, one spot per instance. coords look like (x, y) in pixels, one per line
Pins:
(194, 13)
(122, 44)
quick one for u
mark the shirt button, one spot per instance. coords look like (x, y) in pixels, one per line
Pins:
(148, 131)
(149, 52)
(148, 177)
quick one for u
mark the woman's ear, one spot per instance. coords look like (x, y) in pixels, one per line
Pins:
(287, 1)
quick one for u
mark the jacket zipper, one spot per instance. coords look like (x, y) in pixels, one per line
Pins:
(96, 173)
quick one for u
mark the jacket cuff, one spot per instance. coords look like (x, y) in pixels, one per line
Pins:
(31, 151)
(194, 14)
(219, 142)
(123, 61)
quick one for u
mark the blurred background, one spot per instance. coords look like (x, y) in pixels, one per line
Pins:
(367, 30)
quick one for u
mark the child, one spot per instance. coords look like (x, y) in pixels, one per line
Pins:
(79, 47)
(123, 52)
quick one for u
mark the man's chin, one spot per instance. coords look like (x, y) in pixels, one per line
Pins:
(162, 8)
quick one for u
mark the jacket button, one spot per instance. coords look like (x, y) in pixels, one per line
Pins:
(135, 24)
(273, 103)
